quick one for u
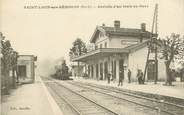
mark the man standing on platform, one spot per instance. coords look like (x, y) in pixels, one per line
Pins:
(121, 78)
(108, 77)
(140, 76)
(129, 76)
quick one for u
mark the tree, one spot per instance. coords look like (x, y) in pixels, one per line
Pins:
(9, 62)
(172, 48)
(182, 72)
(14, 60)
(78, 48)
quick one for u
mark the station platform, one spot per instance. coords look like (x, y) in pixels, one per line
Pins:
(177, 90)
(30, 99)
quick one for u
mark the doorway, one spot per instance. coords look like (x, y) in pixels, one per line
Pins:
(121, 68)
(22, 71)
(89, 71)
(105, 69)
(101, 71)
(96, 71)
(151, 70)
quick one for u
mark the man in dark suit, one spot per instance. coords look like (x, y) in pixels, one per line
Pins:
(108, 77)
(121, 78)
(129, 76)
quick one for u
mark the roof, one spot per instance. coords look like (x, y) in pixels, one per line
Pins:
(27, 55)
(30, 56)
(109, 51)
(99, 52)
(119, 32)
(112, 29)
(136, 47)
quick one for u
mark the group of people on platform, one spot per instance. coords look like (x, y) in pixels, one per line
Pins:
(121, 77)
(140, 76)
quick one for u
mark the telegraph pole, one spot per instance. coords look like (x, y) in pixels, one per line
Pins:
(156, 56)
(152, 45)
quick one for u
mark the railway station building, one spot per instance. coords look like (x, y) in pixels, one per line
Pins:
(118, 49)
(26, 68)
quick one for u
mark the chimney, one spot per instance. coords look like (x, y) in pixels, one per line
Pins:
(103, 24)
(143, 27)
(116, 24)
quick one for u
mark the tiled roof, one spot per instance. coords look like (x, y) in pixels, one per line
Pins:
(125, 31)
(135, 47)
(112, 29)
(120, 32)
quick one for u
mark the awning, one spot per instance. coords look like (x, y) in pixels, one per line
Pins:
(99, 53)
(105, 52)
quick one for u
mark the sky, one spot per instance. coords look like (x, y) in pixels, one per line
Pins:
(49, 33)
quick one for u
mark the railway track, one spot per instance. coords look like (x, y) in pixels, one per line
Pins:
(84, 90)
(138, 95)
(162, 107)
(80, 104)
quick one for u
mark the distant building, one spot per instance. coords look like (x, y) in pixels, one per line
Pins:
(26, 68)
(117, 50)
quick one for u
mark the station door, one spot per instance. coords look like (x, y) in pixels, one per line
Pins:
(22, 71)
(151, 72)
(121, 68)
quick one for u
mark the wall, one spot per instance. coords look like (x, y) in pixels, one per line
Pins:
(137, 60)
(102, 40)
(116, 42)
(161, 70)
